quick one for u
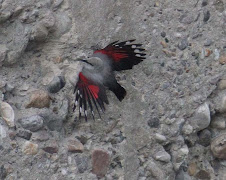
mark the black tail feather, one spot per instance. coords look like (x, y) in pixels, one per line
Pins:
(118, 90)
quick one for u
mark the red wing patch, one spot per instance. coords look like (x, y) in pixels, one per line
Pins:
(124, 54)
(89, 94)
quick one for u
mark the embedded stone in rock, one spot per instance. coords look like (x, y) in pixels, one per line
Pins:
(56, 84)
(222, 59)
(218, 146)
(30, 148)
(74, 145)
(218, 122)
(100, 162)
(51, 147)
(202, 174)
(183, 44)
(7, 113)
(162, 156)
(24, 134)
(192, 168)
(32, 123)
(205, 137)
(82, 163)
(39, 99)
(39, 33)
(201, 118)
(222, 84)
(223, 105)
(4, 16)
(3, 52)
(206, 14)
(2, 133)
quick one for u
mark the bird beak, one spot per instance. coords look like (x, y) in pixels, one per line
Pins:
(84, 60)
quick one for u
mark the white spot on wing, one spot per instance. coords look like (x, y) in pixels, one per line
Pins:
(134, 46)
(76, 103)
(78, 92)
(80, 109)
(85, 112)
(128, 42)
(138, 55)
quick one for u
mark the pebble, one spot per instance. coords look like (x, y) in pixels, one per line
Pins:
(24, 134)
(223, 105)
(4, 16)
(39, 33)
(3, 52)
(2, 133)
(221, 84)
(9, 87)
(56, 84)
(155, 171)
(201, 118)
(160, 138)
(100, 162)
(163, 43)
(7, 113)
(51, 147)
(39, 99)
(153, 122)
(162, 156)
(192, 168)
(204, 2)
(222, 59)
(32, 123)
(206, 14)
(216, 54)
(178, 156)
(202, 174)
(40, 136)
(218, 146)
(82, 163)
(208, 42)
(187, 18)
(219, 5)
(187, 129)
(163, 34)
(204, 137)
(30, 148)
(75, 146)
(183, 44)
(218, 122)
(208, 52)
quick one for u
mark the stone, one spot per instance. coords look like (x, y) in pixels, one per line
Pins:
(192, 168)
(179, 154)
(30, 148)
(9, 87)
(75, 146)
(218, 122)
(56, 84)
(155, 171)
(51, 147)
(4, 16)
(7, 113)
(82, 163)
(218, 146)
(24, 134)
(32, 123)
(100, 162)
(39, 99)
(204, 2)
(221, 84)
(163, 34)
(208, 42)
(2, 133)
(40, 136)
(201, 118)
(219, 5)
(153, 122)
(49, 20)
(187, 129)
(162, 156)
(3, 52)
(204, 137)
(206, 15)
(223, 105)
(39, 33)
(183, 44)
(187, 18)
(222, 59)
(160, 138)
(202, 174)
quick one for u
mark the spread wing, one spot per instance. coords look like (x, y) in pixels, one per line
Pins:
(89, 94)
(124, 54)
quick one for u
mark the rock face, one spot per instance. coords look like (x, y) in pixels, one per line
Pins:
(171, 124)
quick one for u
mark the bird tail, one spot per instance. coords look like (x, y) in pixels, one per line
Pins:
(119, 91)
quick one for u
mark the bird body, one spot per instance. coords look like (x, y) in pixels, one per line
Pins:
(97, 75)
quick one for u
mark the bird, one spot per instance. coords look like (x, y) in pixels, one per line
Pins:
(97, 75)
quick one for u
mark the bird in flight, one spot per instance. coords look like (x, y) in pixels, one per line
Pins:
(97, 75)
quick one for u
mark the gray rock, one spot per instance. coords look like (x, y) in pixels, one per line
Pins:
(155, 171)
(3, 52)
(183, 44)
(208, 42)
(204, 2)
(187, 18)
(32, 123)
(206, 15)
(24, 134)
(219, 5)
(4, 15)
(162, 156)
(218, 146)
(204, 137)
(218, 122)
(201, 118)
(39, 33)
(82, 163)
(56, 84)
(3, 172)
(153, 122)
